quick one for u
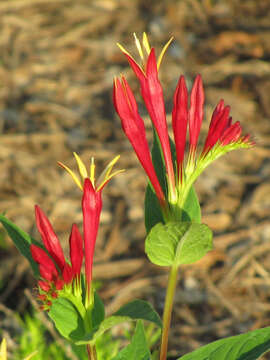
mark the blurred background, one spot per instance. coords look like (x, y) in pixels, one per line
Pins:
(57, 64)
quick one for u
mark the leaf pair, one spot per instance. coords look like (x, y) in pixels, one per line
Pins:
(70, 324)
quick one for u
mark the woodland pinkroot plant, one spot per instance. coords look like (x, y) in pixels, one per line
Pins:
(175, 234)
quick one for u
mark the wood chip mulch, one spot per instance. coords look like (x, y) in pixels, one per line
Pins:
(57, 63)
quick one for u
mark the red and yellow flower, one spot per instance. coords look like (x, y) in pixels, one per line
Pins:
(91, 208)
(187, 116)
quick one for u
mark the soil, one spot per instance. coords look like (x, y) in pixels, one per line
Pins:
(57, 64)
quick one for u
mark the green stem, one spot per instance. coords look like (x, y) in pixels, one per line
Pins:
(91, 352)
(167, 314)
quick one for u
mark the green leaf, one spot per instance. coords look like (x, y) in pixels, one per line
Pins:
(22, 241)
(152, 210)
(137, 349)
(192, 209)
(135, 310)
(173, 244)
(139, 309)
(195, 243)
(158, 160)
(67, 319)
(249, 346)
(105, 325)
(98, 311)
(153, 213)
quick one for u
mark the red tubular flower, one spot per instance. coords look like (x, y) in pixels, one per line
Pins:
(152, 94)
(180, 120)
(49, 238)
(91, 207)
(221, 130)
(47, 267)
(53, 268)
(223, 136)
(195, 112)
(76, 250)
(133, 126)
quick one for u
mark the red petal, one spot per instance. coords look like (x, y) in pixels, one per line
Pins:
(76, 250)
(91, 206)
(49, 238)
(133, 126)
(47, 266)
(67, 274)
(152, 94)
(59, 283)
(219, 108)
(44, 285)
(136, 68)
(231, 134)
(219, 123)
(196, 111)
(180, 119)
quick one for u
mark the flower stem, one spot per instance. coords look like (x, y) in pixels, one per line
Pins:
(91, 352)
(167, 314)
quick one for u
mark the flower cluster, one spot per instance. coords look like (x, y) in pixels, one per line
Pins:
(91, 208)
(187, 116)
(55, 272)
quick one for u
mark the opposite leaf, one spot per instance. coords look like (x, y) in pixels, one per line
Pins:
(135, 310)
(249, 346)
(174, 244)
(153, 215)
(137, 349)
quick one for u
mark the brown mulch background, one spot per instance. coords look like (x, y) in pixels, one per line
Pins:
(57, 63)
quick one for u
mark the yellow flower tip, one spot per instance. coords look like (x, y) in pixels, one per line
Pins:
(3, 350)
(81, 166)
(163, 51)
(123, 49)
(72, 174)
(147, 48)
(106, 173)
(103, 178)
(146, 43)
(114, 161)
(138, 46)
(92, 171)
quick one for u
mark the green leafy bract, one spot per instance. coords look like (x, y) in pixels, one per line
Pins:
(153, 215)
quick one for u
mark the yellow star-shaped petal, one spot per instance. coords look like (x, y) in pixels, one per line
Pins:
(144, 47)
(102, 180)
